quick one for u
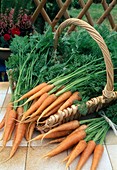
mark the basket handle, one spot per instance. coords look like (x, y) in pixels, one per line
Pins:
(108, 90)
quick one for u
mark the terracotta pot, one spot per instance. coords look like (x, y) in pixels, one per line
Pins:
(4, 53)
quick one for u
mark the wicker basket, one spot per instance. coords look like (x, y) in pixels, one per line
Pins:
(108, 94)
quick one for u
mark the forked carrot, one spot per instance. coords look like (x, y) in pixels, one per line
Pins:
(10, 122)
(45, 89)
(68, 142)
(35, 106)
(45, 103)
(86, 154)
(99, 149)
(69, 102)
(33, 91)
(76, 151)
(60, 99)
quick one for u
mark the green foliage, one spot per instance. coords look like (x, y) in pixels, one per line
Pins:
(7, 4)
(37, 52)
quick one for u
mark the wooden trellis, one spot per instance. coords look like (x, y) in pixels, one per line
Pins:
(64, 12)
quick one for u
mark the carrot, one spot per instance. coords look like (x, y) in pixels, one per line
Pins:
(52, 135)
(9, 107)
(60, 99)
(54, 110)
(86, 153)
(76, 151)
(99, 149)
(35, 106)
(69, 102)
(45, 103)
(82, 127)
(10, 123)
(19, 134)
(19, 114)
(68, 142)
(33, 91)
(45, 89)
(66, 126)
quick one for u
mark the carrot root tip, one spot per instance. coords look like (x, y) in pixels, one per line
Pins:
(5, 160)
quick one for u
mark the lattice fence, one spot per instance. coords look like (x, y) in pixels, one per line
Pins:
(84, 12)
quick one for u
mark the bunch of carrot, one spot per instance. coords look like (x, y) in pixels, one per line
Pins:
(85, 137)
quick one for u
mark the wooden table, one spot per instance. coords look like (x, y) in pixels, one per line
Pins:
(27, 158)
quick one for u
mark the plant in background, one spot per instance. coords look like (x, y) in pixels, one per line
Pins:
(14, 20)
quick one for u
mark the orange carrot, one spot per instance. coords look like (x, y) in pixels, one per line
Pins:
(45, 103)
(82, 127)
(33, 91)
(66, 126)
(54, 110)
(19, 134)
(45, 89)
(68, 142)
(60, 99)
(99, 149)
(10, 123)
(52, 135)
(69, 102)
(35, 106)
(19, 114)
(86, 154)
(76, 151)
